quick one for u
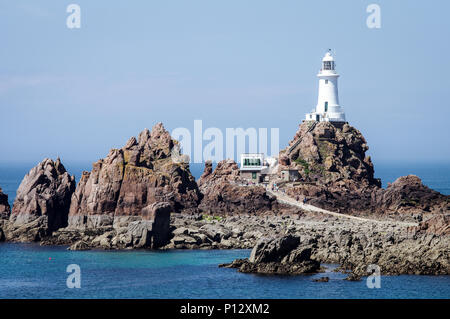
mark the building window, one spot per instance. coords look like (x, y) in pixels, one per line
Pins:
(252, 162)
(326, 81)
(326, 106)
(328, 65)
(253, 175)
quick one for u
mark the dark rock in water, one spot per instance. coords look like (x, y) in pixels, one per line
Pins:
(322, 279)
(80, 245)
(42, 202)
(278, 256)
(353, 277)
(237, 263)
(274, 250)
(5, 209)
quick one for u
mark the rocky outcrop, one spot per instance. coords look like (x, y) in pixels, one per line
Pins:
(128, 197)
(406, 198)
(336, 174)
(42, 202)
(224, 193)
(408, 194)
(5, 209)
(328, 153)
(353, 244)
(129, 179)
(282, 255)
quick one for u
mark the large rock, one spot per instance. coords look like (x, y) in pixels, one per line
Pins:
(408, 193)
(145, 171)
(281, 255)
(328, 153)
(338, 175)
(225, 194)
(42, 202)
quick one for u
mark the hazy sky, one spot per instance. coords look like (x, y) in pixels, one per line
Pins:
(77, 93)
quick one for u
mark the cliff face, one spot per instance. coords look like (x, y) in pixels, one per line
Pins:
(132, 178)
(42, 202)
(326, 153)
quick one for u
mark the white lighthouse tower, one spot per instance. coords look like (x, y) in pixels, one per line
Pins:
(327, 108)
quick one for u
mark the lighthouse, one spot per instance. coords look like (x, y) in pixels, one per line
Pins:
(327, 108)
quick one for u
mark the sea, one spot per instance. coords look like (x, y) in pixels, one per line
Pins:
(34, 271)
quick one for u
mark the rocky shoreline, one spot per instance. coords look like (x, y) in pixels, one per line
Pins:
(143, 196)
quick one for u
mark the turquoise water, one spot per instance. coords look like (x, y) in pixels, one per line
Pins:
(32, 271)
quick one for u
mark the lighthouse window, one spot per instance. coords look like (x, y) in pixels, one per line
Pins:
(326, 106)
(326, 81)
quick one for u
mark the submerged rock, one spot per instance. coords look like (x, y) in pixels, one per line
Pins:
(322, 279)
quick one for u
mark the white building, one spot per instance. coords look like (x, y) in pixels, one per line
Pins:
(327, 108)
(256, 168)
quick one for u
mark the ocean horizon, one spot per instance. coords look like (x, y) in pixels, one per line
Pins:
(435, 175)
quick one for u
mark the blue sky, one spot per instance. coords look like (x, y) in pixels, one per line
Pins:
(76, 93)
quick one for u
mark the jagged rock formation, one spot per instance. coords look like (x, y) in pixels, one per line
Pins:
(282, 255)
(127, 198)
(130, 179)
(328, 153)
(42, 202)
(225, 194)
(337, 175)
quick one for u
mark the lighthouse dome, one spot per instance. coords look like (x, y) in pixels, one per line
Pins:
(328, 57)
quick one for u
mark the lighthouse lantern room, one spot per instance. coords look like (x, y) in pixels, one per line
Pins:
(327, 109)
